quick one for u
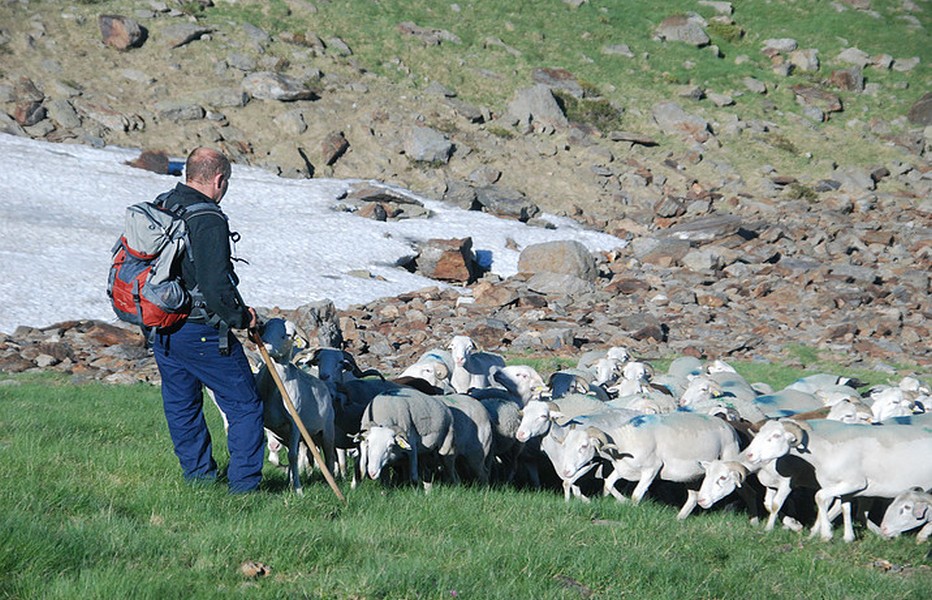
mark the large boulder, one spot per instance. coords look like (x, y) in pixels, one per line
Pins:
(567, 257)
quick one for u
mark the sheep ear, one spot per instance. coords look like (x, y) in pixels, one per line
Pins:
(704, 464)
(402, 442)
(921, 510)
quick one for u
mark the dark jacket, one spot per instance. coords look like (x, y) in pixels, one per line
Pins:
(207, 265)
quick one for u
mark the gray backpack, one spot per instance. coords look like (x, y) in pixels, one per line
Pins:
(144, 285)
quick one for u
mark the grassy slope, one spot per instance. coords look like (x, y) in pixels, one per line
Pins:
(552, 34)
(91, 506)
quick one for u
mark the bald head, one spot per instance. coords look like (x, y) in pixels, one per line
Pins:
(208, 171)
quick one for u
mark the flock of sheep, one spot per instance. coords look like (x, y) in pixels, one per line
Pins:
(613, 426)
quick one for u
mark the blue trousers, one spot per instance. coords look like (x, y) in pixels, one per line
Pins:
(189, 359)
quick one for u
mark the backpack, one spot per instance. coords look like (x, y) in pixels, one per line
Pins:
(144, 284)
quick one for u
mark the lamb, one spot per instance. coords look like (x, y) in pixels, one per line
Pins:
(409, 420)
(310, 396)
(909, 510)
(471, 368)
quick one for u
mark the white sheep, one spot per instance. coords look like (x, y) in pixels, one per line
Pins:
(435, 367)
(409, 420)
(909, 510)
(471, 367)
(310, 396)
(472, 429)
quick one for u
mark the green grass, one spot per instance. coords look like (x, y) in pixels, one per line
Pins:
(92, 506)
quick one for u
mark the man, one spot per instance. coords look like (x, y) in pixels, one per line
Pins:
(202, 351)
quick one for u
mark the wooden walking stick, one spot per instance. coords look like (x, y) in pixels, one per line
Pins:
(255, 337)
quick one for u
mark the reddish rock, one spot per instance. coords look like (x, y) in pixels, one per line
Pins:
(120, 32)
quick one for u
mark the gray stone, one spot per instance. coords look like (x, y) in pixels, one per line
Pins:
(904, 65)
(289, 161)
(558, 284)
(706, 229)
(806, 61)
(423, 144)
(222, 97)
(461, 194)
(854, 56)
(618, 50)
(779, 45)
(854, 180)
(62, 112)
(506, 202)
(755, 85)
(688, 29)
(171, 110)
(672, 119)
(920, 113)
(568, 257)
(536, 105)
(291, 122)
(176, 35)
(266, 85)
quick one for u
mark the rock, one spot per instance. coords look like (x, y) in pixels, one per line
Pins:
(462, 195)
(755, 85)
(920, 113)
(688, 29)
(566, 257)
(814, 97)
(806, 61)
(121, 32)
(423, 144)
(851, 80)
(266, 85)
(63, 113)
(662, 252)
(504, 202)
(179, 34)
(558, 79)
(333, 147)
(287, 160)
(448, 260)
(536, 106)
(618, 50)
(854, 56)
(179, 110)
(672, 119)
(558, 284)
(150, 160)
(634, 138)
(779, 45)
(904, 65)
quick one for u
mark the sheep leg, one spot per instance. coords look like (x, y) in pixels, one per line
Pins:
(823, 524)
(924, 533)
(449, 465)
(608, 486)
(692, 498)
(294, 469)
(776, 500)
(846, 517)
(362, 463)
(647, 478)
(415, 442)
